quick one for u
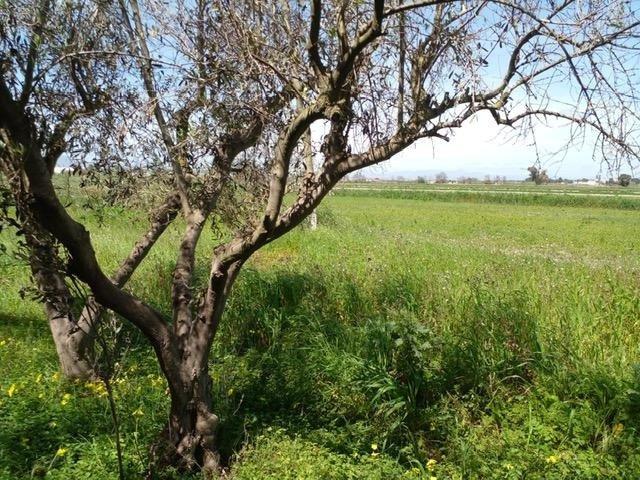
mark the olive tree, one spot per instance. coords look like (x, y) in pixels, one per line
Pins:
(224, 94)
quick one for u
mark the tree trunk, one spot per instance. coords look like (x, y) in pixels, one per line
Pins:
(189, 438)
(72, 338)
(73, 343)
(309, 169)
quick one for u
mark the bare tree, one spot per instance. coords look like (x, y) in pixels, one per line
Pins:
(225, 92)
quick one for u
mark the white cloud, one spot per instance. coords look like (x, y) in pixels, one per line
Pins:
(481, 147)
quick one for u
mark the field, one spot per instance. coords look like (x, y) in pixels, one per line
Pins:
(416, 334)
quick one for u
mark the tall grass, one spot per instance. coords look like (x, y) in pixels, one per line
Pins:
(402, 339)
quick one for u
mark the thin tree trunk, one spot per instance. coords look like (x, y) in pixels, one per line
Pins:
(309, 169)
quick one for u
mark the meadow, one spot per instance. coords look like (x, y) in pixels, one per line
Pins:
(413, 335)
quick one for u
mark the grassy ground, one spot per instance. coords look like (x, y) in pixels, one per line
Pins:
(402, 339)
(517, 193)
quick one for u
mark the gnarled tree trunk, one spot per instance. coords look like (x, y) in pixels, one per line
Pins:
(189, 439)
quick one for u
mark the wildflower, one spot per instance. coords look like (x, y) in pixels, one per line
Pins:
(12, 389)
(553, 459)
(229, 392)
(39, 378)
(374, 446)
(61, 452)
(97, 388)
(617, 429)
(138, 413)
(432, 478)
(431, 464)
(56, 376)
(65, 399)
(3, 343)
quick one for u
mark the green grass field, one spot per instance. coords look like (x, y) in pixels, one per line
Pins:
(431, 337)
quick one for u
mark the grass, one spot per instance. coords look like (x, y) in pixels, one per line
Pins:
(511, 194)
(403, 339)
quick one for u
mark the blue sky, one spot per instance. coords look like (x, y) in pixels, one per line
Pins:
(481, 148)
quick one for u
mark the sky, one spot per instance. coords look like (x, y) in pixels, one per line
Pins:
(482, 148)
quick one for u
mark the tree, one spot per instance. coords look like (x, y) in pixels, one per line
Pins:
(221, 94)
(624, 180)
(441, 177)
(538, 176)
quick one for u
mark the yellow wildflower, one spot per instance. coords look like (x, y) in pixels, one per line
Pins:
(431, 464)
(12, 389)
(65, 399)
(374, 446)
(137, 413)
(3, 343)
(553, 459)
(56, 376)
(61, 452)
(97, 388)
(617, 429)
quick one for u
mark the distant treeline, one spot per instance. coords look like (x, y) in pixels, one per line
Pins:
(550, 199)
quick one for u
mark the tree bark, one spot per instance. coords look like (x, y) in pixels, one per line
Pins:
(72, 338)
(189, 440)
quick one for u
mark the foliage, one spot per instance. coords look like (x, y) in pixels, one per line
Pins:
(538, 176)
(624, 180)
